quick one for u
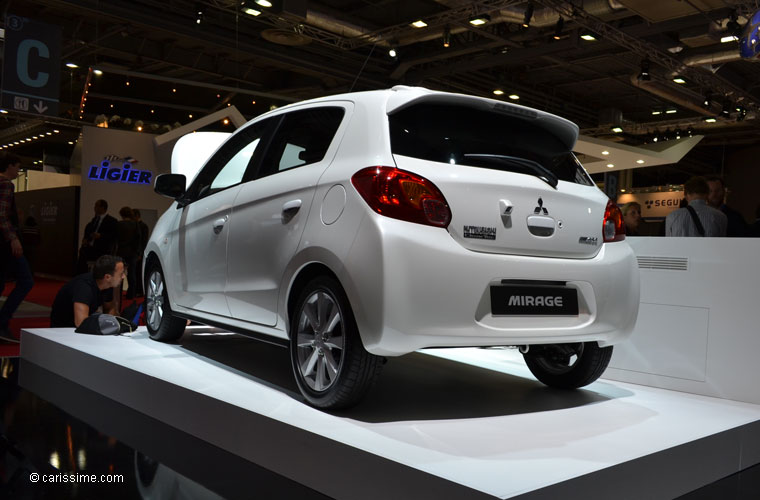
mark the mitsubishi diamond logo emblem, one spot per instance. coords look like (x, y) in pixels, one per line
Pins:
(540, 208)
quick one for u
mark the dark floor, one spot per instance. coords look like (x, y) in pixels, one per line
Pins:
(37, 437)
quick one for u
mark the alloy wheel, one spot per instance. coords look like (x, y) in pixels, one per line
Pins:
(320, 341)
(154, 300)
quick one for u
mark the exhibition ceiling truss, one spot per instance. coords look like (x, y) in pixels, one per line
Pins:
(645, 68)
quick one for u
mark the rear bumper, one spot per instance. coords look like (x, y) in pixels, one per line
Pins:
(411, 289)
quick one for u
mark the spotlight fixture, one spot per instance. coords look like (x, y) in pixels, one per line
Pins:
(656, 137)
(392, 52)
(588, 36)
(558, 28)
(644, 74)
(726, 110)
(198, 13)
(498, 92)
(729, 39)
(514, 97)
(742, 113)
(679, 80)
(446, 36)
(72, 65)
(640, 162)
(708, 99)
(251, 12)
(671, 111)
(689, 131)
(656, 112)
(678, 133)
(528, 15)
(419, 24)
(617, 130)
(480, 19)
(98, 71)
(710, 119)
(264, 3)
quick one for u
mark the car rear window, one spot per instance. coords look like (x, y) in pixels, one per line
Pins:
(448, 133)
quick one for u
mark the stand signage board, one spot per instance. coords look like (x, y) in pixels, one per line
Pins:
(31, 69)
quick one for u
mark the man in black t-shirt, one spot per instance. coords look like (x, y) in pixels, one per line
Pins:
(84, 294)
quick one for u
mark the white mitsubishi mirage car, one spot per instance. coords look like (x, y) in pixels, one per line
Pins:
(373, 224)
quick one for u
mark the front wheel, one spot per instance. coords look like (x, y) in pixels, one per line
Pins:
(331, 366)
(162, 325)
(568, 366)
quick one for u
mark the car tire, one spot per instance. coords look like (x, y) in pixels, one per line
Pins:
(162, 325)
(568, 366)
(331, 366)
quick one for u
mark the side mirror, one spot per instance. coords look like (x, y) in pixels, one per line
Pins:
(170, 185)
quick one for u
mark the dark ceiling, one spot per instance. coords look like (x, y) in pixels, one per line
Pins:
(160, 66)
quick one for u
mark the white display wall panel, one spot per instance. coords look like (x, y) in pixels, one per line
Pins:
(456, 423)
(698, 328)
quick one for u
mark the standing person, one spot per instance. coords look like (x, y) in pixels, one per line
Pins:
(697, 218)
(716, 198)
(632, 218)
(129, 245)
(144, 235)
(87, 292)
(99, 237)
(12, 253)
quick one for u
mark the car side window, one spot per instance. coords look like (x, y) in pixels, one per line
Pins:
(302, 138)
(229, 165)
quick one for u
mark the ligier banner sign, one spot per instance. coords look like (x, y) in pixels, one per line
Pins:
(108, 170)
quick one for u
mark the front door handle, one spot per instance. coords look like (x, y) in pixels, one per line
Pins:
(219, 224)
(291, 208)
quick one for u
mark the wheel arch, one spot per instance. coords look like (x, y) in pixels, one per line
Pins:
(302, 277)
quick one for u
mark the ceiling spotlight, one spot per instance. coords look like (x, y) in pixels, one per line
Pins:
(656, 112)
(4, 111)
(644, 74)
(605, 152)
(726, 110)
(710, 119)
(446, 36)
(498, 92)
(251, 12)
(98, 71)
(729, 39)
(588, 36)
(558, 28)
(742, 113)
(656, 137)
(678, 133)
(528, 15)
(679, 80)
(640, 162)
(264, 3)
(198, 13)
(670, 111)
(72, 65)
(610, 165)
(480, 20)
(419, 24)
(514, 97)
(617, 130)
(392, 52)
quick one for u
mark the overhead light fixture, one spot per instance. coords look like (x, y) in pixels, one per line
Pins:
(480, 20)
(392, 52)
(98, 71)
(678, 133)
(617, 130)
(689, 131)
(264, 3)
(656, 112)
(710, 119)
(198, 13)
(708, 99)
(528, 15)
(498, 92)
(72, 65)
(588, 36)
(4, 111)
(729, 39)
(726, 110)
(514, 97)
(670, 111)
(558, 28)
(644, 73)
(605, 152)
(419, 24)
(610, 165)
(679, 80)
(640, 162)
(251, 12)
(742, 113)
(446, 36)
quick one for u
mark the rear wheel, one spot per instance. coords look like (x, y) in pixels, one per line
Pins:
(331, 366)
(162, 325)
(568, 366)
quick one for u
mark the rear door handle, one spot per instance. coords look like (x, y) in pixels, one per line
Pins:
(219, 224)
(291, 208)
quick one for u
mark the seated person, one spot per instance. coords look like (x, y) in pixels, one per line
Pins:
(84, 294)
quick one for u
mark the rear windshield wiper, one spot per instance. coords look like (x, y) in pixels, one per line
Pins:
(536, 168)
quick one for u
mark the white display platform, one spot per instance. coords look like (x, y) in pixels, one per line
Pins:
(460, 423)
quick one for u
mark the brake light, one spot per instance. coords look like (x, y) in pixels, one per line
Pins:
(402, 195)
(613, 228)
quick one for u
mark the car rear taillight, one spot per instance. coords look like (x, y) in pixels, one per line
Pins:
(613, 228)
(402, 195)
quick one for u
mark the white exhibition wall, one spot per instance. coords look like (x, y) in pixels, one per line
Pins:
(698, 328)
(116, 146)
